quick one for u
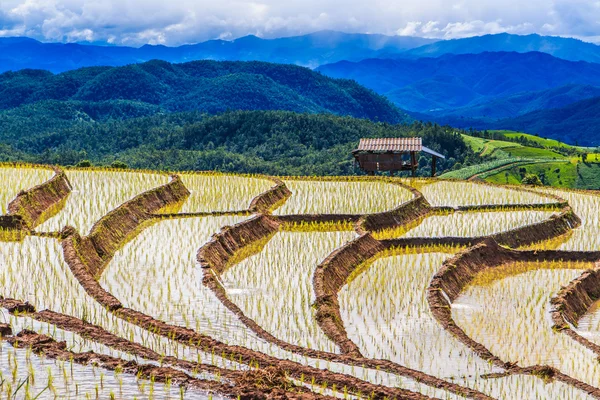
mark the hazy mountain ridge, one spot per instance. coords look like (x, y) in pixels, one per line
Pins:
(566, 48)
(456, 82)
(307, 50)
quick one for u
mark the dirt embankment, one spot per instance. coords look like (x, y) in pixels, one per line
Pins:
(190, 337)
(113, 230)
(316, 218)
(555, 226)
(328, 279)
(259, 383)
(31, 207)
(410, 211)
(458, 272)
(216, 254)
(254, 384)
(265, 202)
(215, 257)
(573, 301)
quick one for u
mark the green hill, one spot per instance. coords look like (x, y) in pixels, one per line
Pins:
(207, 86)
(514, 155)
(275, 142)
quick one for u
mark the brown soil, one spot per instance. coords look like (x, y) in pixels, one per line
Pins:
(410, 211)
(108, 234)
(316, 218)
(86, 257)
(459, 271)
(16, 306)
(259, 384)
(266, 201)
(225, 244)
(32, 206)
(82, 267)
(5, 330)
(573, 301)
(216, 255)
(555, 226)
(328, 279)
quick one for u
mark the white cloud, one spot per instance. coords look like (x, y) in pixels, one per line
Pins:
(136, 22)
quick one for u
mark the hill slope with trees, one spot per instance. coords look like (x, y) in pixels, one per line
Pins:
(206, 86)
(274, 142)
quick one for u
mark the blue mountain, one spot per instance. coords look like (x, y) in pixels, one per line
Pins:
(560, 47)
(308, 50)
(471, 84)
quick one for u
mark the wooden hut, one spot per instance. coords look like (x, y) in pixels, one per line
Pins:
(392, 154)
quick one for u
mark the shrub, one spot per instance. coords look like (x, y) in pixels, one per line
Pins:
(119, 165)
(532, 179)
(84, 164)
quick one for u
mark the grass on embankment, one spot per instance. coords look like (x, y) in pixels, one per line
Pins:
(568, 175)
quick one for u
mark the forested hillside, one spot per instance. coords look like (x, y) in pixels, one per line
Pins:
(276, 142)
(206, 86)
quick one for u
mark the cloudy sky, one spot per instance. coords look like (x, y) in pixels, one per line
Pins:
(175, 22)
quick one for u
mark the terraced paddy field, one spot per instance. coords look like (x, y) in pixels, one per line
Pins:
(124, 284)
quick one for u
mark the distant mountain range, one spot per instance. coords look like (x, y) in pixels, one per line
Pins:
(308, 50)
(576, 123)
(491, 81)
(485, 85)
(205, 86)
(565, 48)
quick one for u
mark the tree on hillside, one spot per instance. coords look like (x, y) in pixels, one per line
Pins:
(532, 179)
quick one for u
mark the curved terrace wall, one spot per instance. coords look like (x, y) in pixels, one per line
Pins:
(575, 300)
(266, 201)
(33, 205)
(225, 244)
(110, 232)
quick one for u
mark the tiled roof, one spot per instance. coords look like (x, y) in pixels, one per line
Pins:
(390, 144)
(394, 145)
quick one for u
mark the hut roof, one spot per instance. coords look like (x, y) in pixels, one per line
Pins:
(394, 145)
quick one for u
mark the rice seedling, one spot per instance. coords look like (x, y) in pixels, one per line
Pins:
(35, 271)
(32, 377)
(507, 310)
(159, 268)
(383, 305)
(15, 179)
(95, 193)
(386, 313)
(342, 197)
(457, 194)
(157, 274)
(587, 206)
(274, 286)
(467, 224)
(220, 192)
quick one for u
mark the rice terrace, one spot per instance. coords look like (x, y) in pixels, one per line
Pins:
(125, 284)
